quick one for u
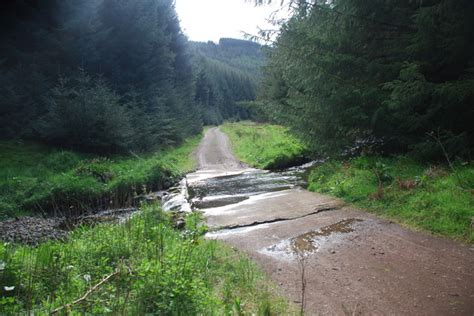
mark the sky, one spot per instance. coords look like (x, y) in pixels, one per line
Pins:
(210, 20)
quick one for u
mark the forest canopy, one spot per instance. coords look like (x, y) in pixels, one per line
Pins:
(395, 72)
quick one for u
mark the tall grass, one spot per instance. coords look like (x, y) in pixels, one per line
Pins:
(433, 198)
(151, 269)
(264, 146)
(37, 179)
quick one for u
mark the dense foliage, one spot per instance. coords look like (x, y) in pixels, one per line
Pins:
(115, 75)
(96, 75)
(227, 75)
(343, 71)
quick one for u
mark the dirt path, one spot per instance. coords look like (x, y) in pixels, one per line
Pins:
(215, 158)
(215, 152)
(355, 263)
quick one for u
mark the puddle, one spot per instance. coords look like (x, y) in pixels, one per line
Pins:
(310, 242)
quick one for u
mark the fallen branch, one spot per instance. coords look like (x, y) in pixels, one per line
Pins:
(89, 292)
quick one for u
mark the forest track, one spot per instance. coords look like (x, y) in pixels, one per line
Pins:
(215, 152)
(355, 263)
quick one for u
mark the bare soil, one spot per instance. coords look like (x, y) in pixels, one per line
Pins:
(355, 263)
(215, 153)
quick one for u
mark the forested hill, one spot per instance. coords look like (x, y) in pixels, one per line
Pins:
(244, 55)
(113, 76)
(227, 74)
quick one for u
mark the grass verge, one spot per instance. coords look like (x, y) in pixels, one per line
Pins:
(38, 179)
(264, 146)
(141, 267)
(427, 197)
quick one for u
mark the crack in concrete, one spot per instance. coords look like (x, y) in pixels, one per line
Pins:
(276, 220)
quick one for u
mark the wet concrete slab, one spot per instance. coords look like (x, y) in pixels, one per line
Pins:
(357, 262)
(269, 207)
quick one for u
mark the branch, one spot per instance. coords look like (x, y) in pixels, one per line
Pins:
(89, 292)
(437, 138)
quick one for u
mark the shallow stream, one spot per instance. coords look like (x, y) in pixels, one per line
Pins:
(222, 190)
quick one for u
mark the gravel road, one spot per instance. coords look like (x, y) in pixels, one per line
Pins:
(355, 263)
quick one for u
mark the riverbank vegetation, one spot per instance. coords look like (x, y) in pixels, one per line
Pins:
(430, 197)
(143, 266)
(41, 180)
(264, 146)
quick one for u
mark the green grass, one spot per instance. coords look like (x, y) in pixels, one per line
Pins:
(264, 146)
(37, 179)
(441, 202)
(155, 270)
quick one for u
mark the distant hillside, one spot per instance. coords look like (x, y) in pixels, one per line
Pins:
(227, 74)
(244, 55)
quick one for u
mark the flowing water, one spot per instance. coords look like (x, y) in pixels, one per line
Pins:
(209, 192)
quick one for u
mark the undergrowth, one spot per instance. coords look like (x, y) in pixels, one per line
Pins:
(433, 198)
(141, 267)
(36, 179)
(264, 146)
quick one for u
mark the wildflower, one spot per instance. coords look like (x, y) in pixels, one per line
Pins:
(87, 277)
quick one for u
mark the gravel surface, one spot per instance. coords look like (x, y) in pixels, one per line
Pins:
(31, 230)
